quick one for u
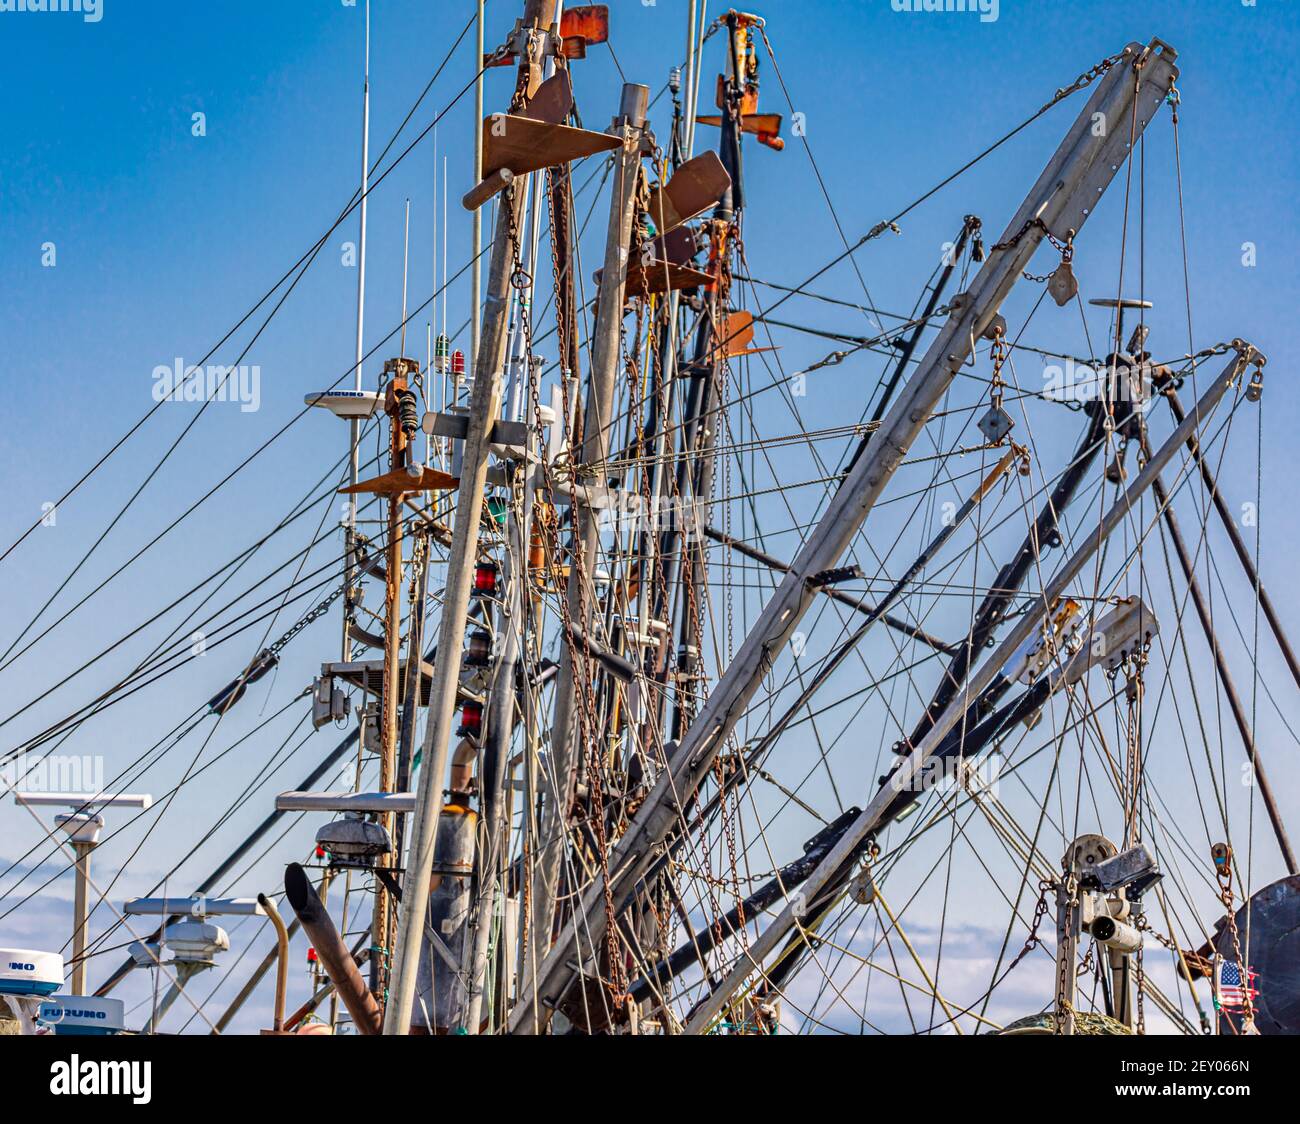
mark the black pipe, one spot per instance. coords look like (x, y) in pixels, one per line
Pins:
(1221, 667)
(992, 610)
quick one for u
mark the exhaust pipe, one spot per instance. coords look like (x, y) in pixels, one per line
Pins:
(333, 953)
(1116, 935)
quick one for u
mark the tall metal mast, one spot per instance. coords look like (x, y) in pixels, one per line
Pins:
(485, 408)
(476, 243)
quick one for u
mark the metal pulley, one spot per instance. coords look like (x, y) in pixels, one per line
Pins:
(995, 424)
(224, 699)
(1063, 286)
(862, 889)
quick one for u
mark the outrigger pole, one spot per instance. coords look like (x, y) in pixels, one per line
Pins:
(1061, 201)
(1238, 545)
(905, 779)
(1221, 668)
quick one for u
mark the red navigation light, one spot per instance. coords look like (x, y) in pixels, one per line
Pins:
(471, 720)
(485, 578)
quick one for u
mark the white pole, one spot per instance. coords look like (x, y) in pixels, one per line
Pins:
(476, 241)
(406, 269)
(354, 425)
(694, 48)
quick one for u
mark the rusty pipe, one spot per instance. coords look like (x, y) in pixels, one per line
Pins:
(250, 985)
(282, 964)
(463, 762)
(333, 953)
(360, 954)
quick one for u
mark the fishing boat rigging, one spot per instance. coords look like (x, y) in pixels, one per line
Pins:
(615, 743)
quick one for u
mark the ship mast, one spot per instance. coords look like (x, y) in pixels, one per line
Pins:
(597, 428)
(484, 409)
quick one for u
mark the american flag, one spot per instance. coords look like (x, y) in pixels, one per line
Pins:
(1234, 990)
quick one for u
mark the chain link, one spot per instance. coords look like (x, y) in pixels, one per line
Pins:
(314, 615)
(1224, 874)
(1084, 80)
(1040, 911)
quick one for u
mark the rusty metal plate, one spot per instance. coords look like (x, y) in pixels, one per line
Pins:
(697, 185)
(553, 99)
(524, 145)
(399, 482)
(663, 277)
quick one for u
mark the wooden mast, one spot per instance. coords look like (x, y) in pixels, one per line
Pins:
(397, 453)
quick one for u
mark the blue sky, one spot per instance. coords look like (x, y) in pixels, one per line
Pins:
(164, 239)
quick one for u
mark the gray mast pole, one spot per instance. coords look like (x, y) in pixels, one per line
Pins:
(80, 915)
(476, 266)
(597, 423)
(494, 781)
(1061, 200)
(905, 778)
(485, 408)
(1238, 545)
(1239, 716)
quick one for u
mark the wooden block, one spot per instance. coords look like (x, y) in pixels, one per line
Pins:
(491, 185)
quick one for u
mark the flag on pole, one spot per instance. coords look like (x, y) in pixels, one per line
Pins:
(1234, 986)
